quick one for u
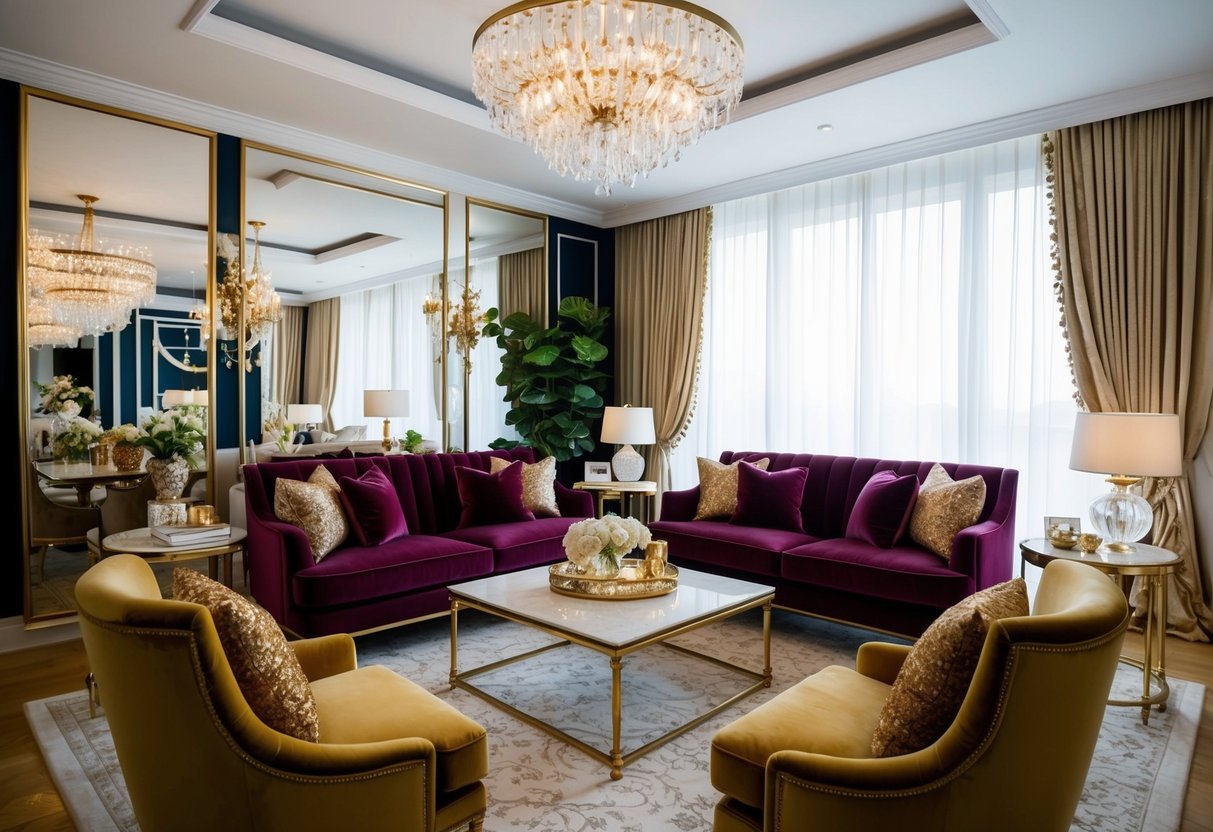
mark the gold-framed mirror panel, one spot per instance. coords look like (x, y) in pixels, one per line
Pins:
(140, 211)
(333, 229)
(505, 258)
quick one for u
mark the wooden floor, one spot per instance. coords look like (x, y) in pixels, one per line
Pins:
(28, 800)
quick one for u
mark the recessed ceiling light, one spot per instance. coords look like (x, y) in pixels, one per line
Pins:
(824, 128)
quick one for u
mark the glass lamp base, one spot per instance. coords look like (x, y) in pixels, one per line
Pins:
(1121, 517)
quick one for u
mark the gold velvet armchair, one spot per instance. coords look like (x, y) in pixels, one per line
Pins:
(1015, 757)
(195, 757)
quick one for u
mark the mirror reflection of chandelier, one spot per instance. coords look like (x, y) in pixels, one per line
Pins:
(44, 330)
(84, 286)
(250, 297)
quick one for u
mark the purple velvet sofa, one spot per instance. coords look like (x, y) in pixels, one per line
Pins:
(356, 588)
(900, 590)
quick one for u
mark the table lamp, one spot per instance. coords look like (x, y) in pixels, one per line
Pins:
(1127, 446)
(626, 426)
(385, 403)
(174, 398)
(304, 415)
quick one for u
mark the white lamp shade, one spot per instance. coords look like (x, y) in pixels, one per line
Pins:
(385, 403)
(303, 414)
(175, 398)
(1129, 444)
(628, 426)
(199, 397)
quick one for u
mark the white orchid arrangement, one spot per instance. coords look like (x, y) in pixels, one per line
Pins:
(600, 543)
(172, 433)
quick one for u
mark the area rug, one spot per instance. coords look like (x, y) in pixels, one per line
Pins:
(1137, 780)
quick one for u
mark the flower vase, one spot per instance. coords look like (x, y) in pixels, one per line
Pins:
(605, 564)
(60, 423)
(168, 476)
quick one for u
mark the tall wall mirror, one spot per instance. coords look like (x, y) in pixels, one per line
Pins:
(117, 227)
(507, 258)
(357, 262)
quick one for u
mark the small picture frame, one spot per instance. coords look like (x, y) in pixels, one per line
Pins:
(598, 472)
(1062, 524)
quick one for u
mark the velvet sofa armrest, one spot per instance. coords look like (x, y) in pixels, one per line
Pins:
(984, 552)
(680, 505)
(881, 660)
(574, 503)
(326, 656)
(275, 551)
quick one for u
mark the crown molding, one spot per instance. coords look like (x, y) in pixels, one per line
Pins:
(91, 86)
(1082, 111)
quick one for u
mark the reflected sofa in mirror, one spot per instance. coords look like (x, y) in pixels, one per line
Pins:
(358, 261)
(116, 229)
(506, 253)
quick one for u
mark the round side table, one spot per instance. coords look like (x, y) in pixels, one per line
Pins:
(140, 542)
(1152, 564)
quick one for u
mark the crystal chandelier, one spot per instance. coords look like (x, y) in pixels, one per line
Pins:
(44, 330)
(607, 89)
(86, 288)
(250, 298)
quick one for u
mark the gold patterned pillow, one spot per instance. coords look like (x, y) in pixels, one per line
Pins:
(933, 681)
(266, 668)
(944, 507)
(315, 507)
(538, 484)
(718, 487)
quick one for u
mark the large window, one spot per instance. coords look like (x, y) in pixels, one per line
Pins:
(904, 313)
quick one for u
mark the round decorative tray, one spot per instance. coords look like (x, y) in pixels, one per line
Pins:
(568, 578)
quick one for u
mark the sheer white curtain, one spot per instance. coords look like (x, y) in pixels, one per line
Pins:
(386, 343)
(905, 313)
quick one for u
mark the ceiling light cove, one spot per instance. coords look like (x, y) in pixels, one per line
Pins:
(607, 90)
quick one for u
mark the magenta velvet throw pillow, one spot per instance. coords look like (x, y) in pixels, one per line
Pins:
(491, 498)
(770, 500)
(882, 510)
(373, 508)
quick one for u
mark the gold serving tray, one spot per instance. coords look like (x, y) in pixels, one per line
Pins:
(567, 578)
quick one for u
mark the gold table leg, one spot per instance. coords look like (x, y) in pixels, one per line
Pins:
(766, 645)
(616, 713)
(454, 643)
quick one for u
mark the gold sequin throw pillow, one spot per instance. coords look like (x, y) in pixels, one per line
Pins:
(538, 484)
(266, 668)
(718, 487)
(315, 507)
(944, 507)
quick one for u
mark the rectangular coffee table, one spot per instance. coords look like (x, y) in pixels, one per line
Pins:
(614, 628)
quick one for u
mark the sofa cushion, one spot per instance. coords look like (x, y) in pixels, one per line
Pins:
(718, 488)
(935, 676)
(902, 573)
(715, 542)
(520, 545)
(769, 500)
(488, 498)
(267, 670)
(538, 484)
(372, 704)
(832, 712)
(882, 510)
(411, 563)
(315, 507)
(373, 509)
(944, 507)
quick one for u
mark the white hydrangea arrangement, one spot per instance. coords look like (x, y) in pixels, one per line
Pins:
(74, 442)
(63, 396)
(598, 545)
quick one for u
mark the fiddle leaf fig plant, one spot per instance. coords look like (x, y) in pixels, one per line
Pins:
(551, 376)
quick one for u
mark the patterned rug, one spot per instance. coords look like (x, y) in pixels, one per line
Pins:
(1137, 780)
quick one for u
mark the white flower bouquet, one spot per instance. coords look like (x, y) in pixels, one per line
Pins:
(73, 443)
(598, 545)
(64, 396)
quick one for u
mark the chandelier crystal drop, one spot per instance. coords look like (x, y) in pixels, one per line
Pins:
(607, 90)
(89, 286)
(44, 330)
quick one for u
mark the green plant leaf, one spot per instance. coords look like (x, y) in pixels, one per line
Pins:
(588, 349)
(537, 397)
(543, 356)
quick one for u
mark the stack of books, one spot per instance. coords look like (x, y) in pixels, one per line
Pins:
(210, 533)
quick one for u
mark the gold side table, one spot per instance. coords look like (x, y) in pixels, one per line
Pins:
(625, 492)
(1153, 565)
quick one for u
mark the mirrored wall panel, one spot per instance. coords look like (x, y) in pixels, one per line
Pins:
(357, 263)
(116, 227)
(506, 253)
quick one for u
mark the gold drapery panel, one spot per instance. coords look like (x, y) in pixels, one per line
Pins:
(662, 278)
(524, 286)
(1134, 257)
(287, 341)
(320, 374)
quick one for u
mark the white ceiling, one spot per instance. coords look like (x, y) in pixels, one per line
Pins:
(895, 78)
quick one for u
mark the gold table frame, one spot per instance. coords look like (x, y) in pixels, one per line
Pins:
(1151, 564)
(615, 758)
